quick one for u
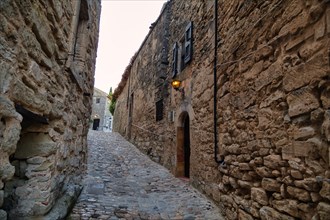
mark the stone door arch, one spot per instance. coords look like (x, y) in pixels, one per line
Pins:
(183, 146)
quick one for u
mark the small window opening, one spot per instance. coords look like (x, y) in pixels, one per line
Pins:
(159, 110)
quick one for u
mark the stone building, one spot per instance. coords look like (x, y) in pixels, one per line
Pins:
(101, 118)
(250, 122)
(47, 62)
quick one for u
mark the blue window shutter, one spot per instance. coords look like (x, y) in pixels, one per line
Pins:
(175, 60)
(188, 49)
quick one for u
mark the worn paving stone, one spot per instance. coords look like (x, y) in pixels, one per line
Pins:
(123, 183)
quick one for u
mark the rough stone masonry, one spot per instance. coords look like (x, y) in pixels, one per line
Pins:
(272, 103)
(47, 62)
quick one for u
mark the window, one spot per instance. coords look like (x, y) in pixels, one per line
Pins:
(182, 51)
(77, 62)
(175, 60)
(188, 43)
(159, 110)
(97, 100)
(131, 103)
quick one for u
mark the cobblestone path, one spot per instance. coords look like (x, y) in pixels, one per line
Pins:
(123, 183)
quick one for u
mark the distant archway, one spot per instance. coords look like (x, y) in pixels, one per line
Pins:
(183, 146)
(96, 123)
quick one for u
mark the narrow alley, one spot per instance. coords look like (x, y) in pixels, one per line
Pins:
(123, 183)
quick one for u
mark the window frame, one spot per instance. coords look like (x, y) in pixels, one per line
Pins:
(160, 110)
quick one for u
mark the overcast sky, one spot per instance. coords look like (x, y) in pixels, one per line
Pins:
(124, 25)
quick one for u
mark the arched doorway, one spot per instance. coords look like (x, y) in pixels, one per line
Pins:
(96, 123)
(183, 146)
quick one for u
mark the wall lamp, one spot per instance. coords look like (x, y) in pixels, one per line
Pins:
(176, 84)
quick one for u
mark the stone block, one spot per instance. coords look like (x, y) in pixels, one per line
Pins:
(325, 191)
(287, 180)
(39, 167)
(304, 133)
(254, 209)
(43, 33)
(325, 98)
(317, 115)
(35, 144)
(278, 95)
(243, 215)
(319, 29)
(36, 160)
(270, 185)
(301, 75)
(263, 52)
(42, 208)
(328, 20)
(6, 169)
(295, 163)
(244, 166)
(315, 166)
(227, 200)
(244, 158)
(264, 172)
(245, 184)
(306, 51)
(39, 177)
(265, 118)
(254, 71)
(271, 74)
(326, 125)
(316, 197)
(288, 206)
(7, 108)
(310, 184)
(233, 149)
(258, 160)
(3, 214)
(302, 148)
(10, 136)
(302, 101)
(294, 25)
(247, 177)
(259, 195)
(295, 42)
(296, 174)
(323, 210)
(276, 173)
(307, 209)
(315, 12)
(272, 161)
(268, 213)
(233, 183)
(300, 194)
(32, 101)
(287, 151)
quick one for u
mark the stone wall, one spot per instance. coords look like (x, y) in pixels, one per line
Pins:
(273, 109)
(47, 63)
(272, 104)
(144, 87)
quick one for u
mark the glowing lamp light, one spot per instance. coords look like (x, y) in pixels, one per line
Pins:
(176, 84)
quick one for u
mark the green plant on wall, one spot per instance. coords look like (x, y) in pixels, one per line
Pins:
(113, 102)
(112, 106)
